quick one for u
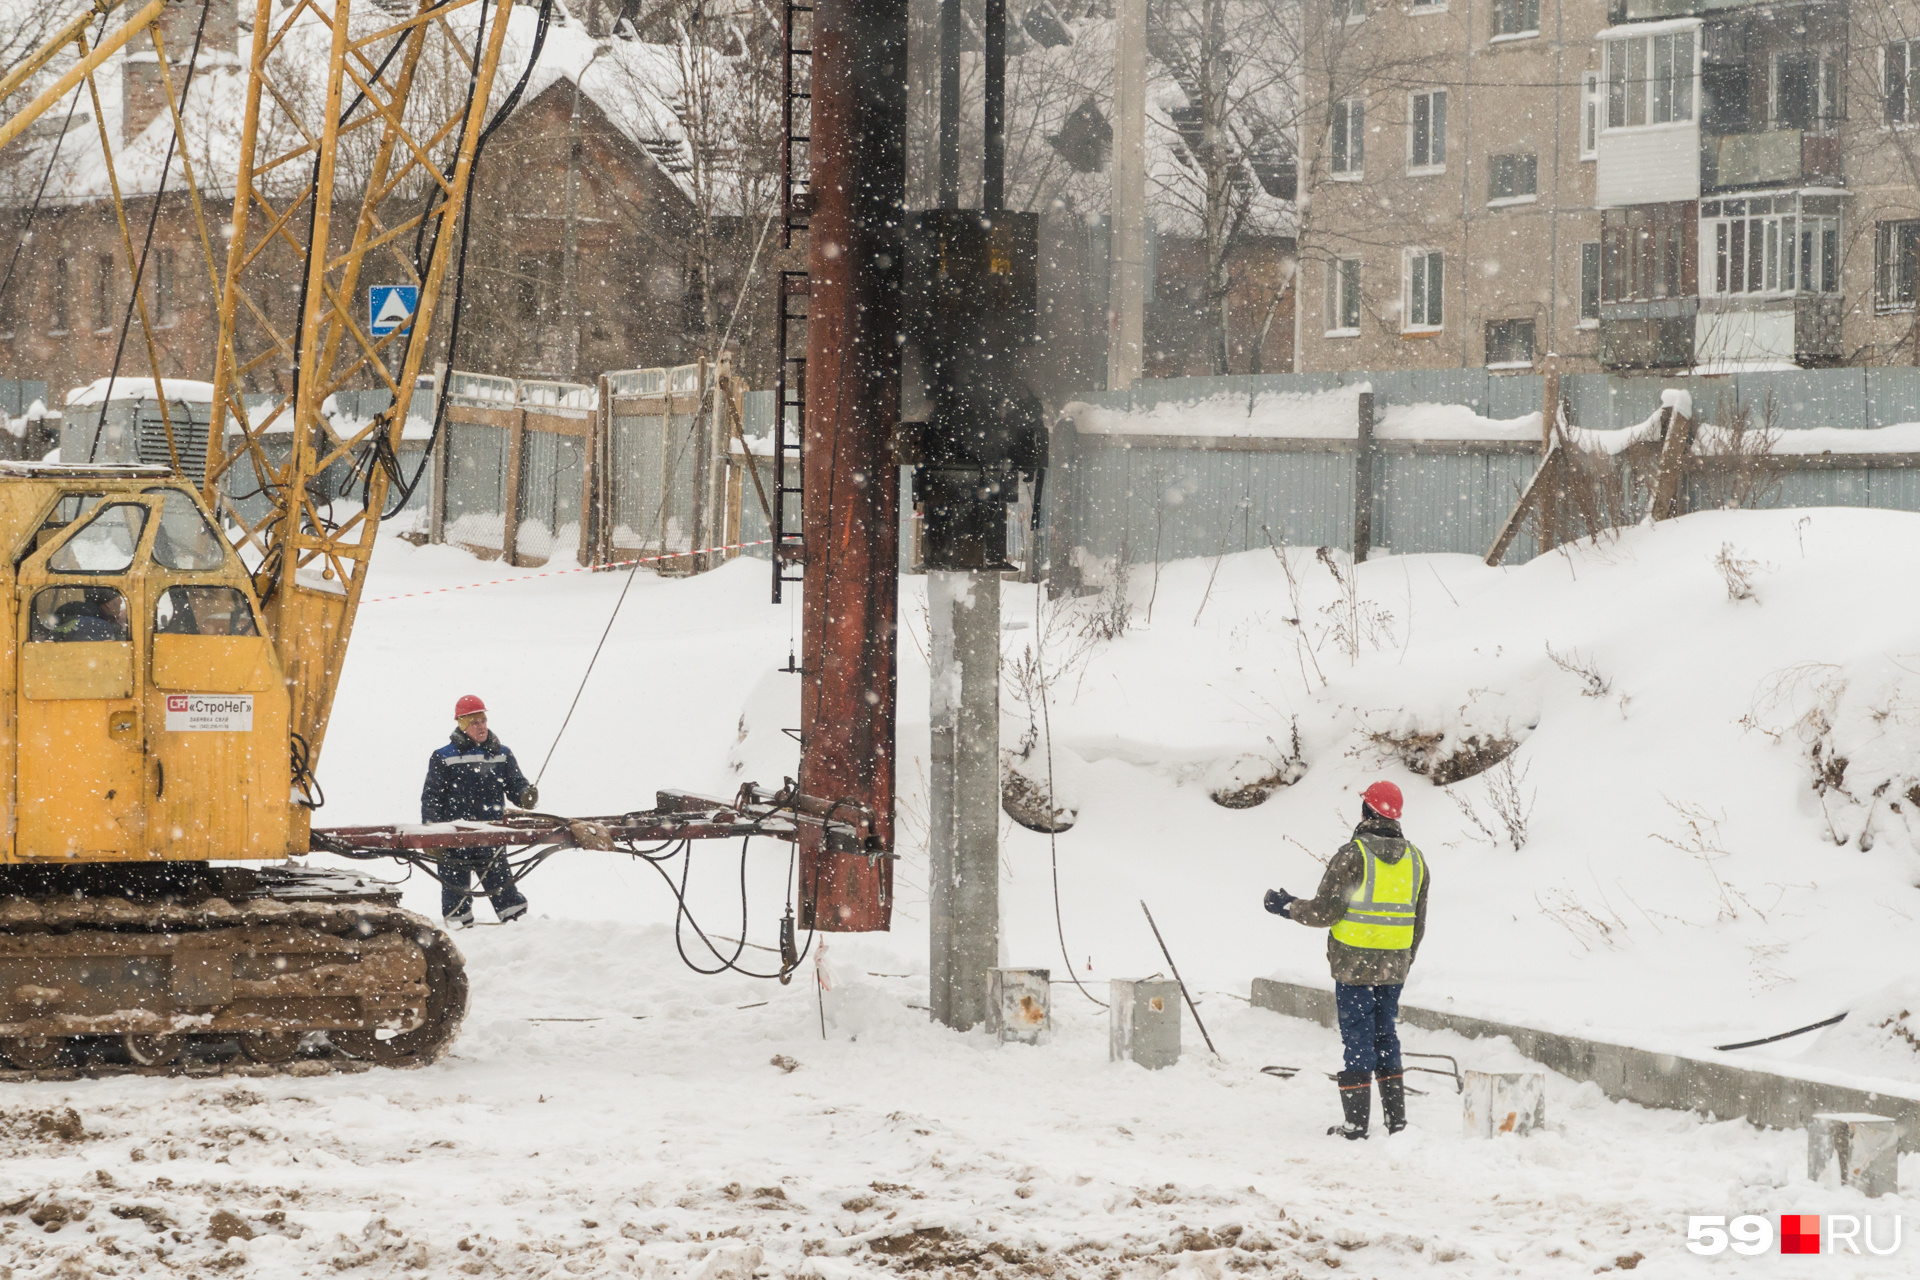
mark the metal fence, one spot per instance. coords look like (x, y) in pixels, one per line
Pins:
(512, 476)
(635, 465)
(1142, 498)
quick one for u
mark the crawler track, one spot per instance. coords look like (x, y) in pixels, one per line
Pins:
(199, 971)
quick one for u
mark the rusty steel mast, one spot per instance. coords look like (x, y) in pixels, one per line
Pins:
(850, 469)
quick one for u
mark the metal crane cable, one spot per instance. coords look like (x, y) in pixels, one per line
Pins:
(146, 245)
(382, 452)
(53, 157)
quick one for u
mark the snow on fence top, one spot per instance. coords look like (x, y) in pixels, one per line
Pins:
(1333, 415)
(1312, 415)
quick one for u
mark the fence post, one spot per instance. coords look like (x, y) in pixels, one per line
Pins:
(1549, 509)
(1363, 481)
(702, 469)
(437, 490)
(516, 449)
(590, 504)
(1063, 532)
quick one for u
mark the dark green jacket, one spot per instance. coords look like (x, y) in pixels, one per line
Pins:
(1362, 966)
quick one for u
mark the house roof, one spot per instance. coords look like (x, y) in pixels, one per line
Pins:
(633, 84)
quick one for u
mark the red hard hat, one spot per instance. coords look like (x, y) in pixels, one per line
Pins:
(471, 703)
(1384, 799)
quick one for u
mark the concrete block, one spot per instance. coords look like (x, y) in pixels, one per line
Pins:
(1854, 1149)
(1019, 1007)
(1295, 1001)
(1497, 1102)
(1144, 1022)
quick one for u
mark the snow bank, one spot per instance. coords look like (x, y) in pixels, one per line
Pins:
(1677, 874)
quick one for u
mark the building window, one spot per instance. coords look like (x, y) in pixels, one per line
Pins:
(1647, 252)
(1900, 81)
(60, 310)
(1771, 245)
(1425, 284)
(103, 292)
(163, 301)
(1896, 265)
(1650, 80)
(1805, 92)
(1343, 296)
(1509, 344)
(1351, 10)
(1590, 282)
(1428, 4)
(1511, 178)
(1516, 17)
(1590, 115)
(1428, 124)
(1349, 136)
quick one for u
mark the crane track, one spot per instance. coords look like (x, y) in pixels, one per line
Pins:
(223, 983)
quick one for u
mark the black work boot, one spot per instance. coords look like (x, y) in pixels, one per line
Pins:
(1393, 1098)
(1356, 1099)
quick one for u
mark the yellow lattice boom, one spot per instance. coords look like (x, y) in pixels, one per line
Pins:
(355, 156)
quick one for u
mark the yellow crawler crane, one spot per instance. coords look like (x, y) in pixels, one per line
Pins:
(170, 663)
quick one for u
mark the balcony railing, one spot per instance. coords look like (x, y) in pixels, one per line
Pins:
(1776, 157)
(1619, 11)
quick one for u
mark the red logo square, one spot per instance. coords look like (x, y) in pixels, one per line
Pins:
(1799, 1233)
(176, 702)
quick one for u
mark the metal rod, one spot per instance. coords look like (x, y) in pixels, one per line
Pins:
(1184, 995)
(950, 37)
(994, 193)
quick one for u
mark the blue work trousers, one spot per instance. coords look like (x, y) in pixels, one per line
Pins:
(1367, 1031)
(456, 896)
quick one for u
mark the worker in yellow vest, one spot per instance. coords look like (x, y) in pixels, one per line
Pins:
(1373, 897)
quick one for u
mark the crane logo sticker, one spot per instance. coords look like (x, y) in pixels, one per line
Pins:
(209, 713)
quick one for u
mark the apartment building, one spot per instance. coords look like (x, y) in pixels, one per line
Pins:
(1791, 238)
(1451, 220)
(1712, 185)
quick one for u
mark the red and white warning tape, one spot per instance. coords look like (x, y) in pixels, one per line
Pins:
(585, 568)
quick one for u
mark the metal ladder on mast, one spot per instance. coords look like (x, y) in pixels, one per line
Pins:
(790, 373)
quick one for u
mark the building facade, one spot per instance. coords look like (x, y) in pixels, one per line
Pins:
(1662, 185)
(585, 245)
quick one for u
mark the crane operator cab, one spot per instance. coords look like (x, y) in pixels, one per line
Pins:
(150, 715)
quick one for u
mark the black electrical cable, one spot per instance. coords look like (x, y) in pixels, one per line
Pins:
(313, 181)
(1784, 1035)
(407, 487)
(523, 860)
(1053, 850)
(146, 245)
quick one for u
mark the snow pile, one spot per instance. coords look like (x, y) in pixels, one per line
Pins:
(1881, 1034)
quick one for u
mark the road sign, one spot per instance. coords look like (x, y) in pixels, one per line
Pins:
(390, 308)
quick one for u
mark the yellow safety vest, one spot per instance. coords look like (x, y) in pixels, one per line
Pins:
(1380, 911)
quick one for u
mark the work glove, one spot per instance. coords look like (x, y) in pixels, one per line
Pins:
(1280, 902)
(528, 798)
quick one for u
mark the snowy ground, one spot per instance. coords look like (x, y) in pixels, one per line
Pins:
(616, 1146)
(665, 1138)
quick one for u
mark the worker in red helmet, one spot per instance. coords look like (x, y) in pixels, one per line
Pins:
(1373, 901)
(470, 779)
